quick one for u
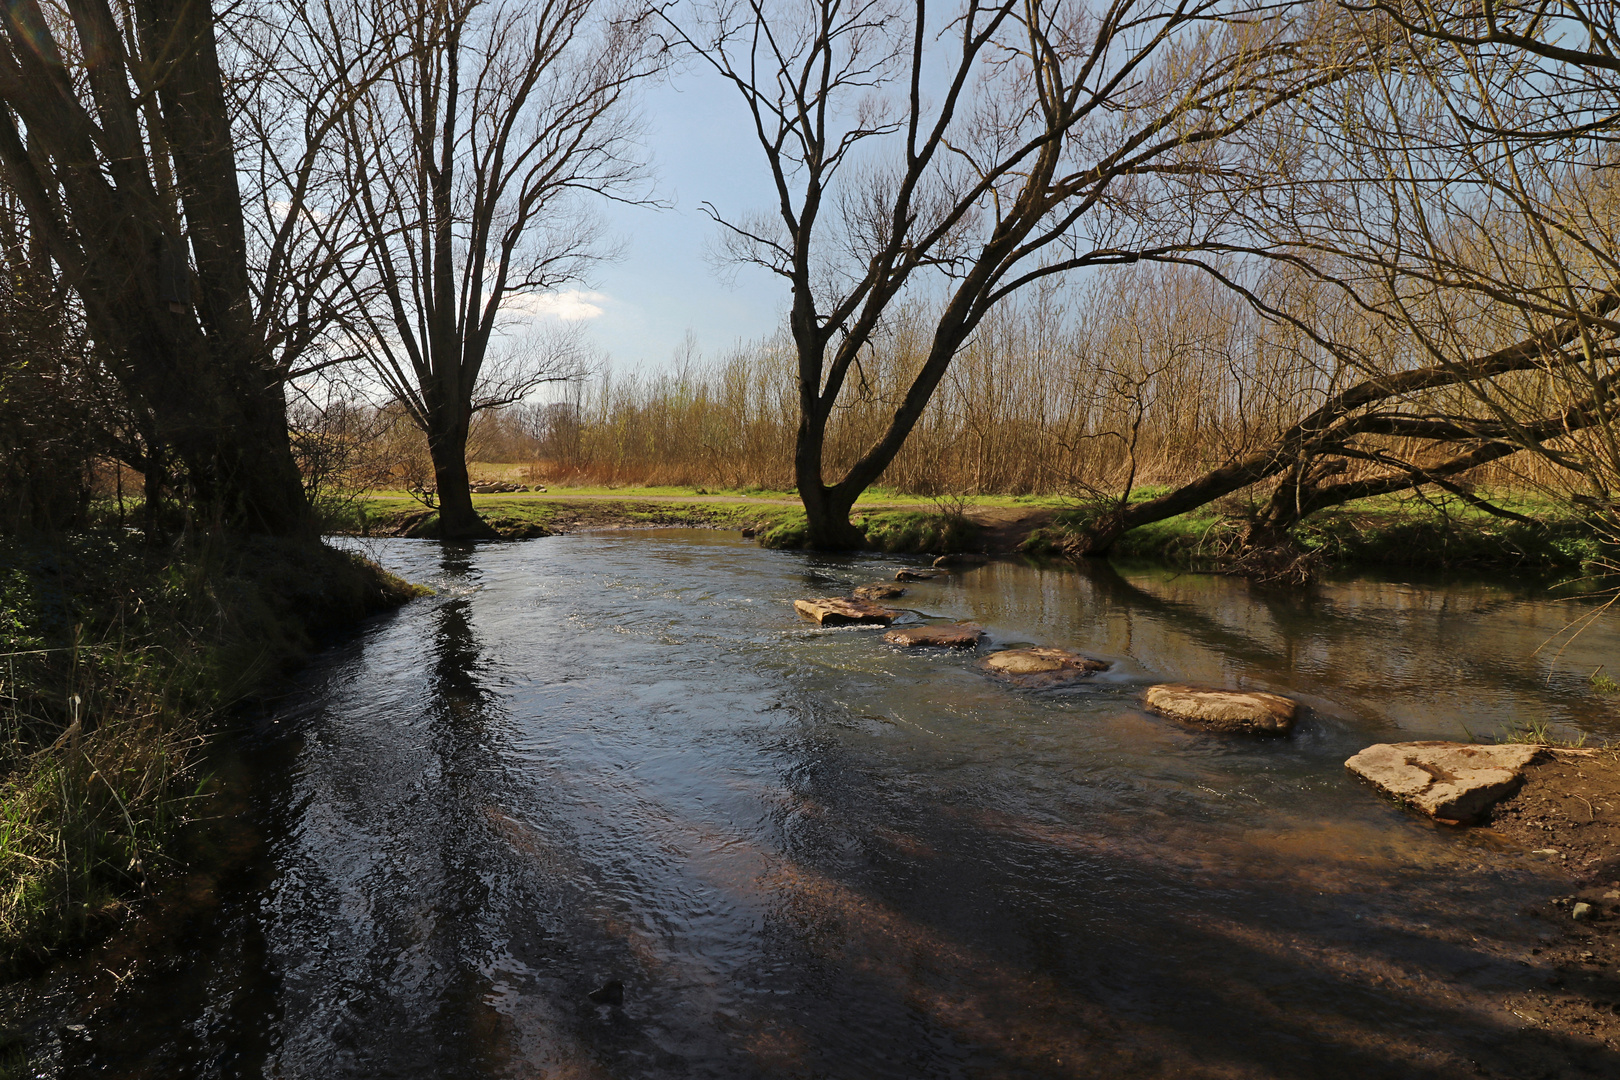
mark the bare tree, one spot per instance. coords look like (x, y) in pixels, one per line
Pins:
(969, 153)
(1460, 203)
(116, 132)
(473, 162)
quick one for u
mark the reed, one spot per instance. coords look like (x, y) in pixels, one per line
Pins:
(1150, 376)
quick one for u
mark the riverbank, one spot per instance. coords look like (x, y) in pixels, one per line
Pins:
(119, 658)
(1540, 540)
(1568, 812)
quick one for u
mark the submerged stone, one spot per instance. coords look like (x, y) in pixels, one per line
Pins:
(1223, 710)
(1041, 667)
(1453, 782)
(841, 611)
(944, 635)
(919, 575)
(880, 591)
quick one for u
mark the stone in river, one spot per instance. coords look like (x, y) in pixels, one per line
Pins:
(961, 559)
(1452, 782)
(919, 575)
(1223, 710)
(881, 591)
(841, 611)
(1041, 667)
(945, 635)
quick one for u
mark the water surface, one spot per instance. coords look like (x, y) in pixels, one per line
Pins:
(809, 854)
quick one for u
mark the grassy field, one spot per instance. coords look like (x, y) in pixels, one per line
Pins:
(1405, 531)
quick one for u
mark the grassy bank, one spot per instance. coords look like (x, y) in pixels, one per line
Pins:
(115, 661)
(1389, 532)
(1443, 533)
(774, 517)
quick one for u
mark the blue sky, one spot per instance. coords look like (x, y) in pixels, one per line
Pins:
(700, 144)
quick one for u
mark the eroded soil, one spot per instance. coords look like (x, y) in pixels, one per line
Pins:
(1568, 812)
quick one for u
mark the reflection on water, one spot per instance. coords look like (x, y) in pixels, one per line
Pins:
(809, 854)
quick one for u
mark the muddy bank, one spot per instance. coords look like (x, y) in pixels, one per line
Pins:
(1568, 811)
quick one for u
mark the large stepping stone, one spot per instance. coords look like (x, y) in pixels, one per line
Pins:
(880, 591)
(1451, 782)
(1247, 711)
(1041, 667)
(943, 635)
(842, 611)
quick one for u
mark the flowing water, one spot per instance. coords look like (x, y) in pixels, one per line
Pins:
(806, 853)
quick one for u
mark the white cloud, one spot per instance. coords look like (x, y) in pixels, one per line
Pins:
(570, 305)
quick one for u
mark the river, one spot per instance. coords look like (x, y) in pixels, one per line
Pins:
(805, 853)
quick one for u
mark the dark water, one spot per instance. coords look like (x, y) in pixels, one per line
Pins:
(808, 854)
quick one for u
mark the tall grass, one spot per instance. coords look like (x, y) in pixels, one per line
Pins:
(115, 662)
(1147, 377)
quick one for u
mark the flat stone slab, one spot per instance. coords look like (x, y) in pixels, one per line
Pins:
(1451, 782)
(1250, 711)
(1041, 667)
(920, 575)
(842, 611)
(1244, 711)
(880, 591)
(944, 635)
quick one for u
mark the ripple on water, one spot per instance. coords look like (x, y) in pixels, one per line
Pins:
(808, 853)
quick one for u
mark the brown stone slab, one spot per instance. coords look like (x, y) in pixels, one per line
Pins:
(842, 611)
(880, 591)
(943, 635)
(1041, 667)
(1451, 782)
(1248, 711)
(920, 575)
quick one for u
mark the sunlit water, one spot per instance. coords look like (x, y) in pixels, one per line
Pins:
(809, 854)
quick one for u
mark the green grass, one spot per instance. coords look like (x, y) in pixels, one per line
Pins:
(115, 660)
(1536, 733)
(897, 531)
(1390, 531)
(919, 532)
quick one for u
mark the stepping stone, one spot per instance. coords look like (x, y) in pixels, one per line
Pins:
(961, 559)
(1041, 667)
(841, 611)
(944, 635)
(920, 575)
(1455, 783)
(1248, 711)
(881, 591)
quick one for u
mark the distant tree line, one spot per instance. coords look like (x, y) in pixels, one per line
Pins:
(1309, 250)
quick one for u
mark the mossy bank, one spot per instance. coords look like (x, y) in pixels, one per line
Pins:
(116, 662)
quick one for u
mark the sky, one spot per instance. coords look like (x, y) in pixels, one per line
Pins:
(640, 309)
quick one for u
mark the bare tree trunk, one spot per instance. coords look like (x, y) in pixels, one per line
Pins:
(1039, 162)
(187, 346)
(448, 448)
(826, 509)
